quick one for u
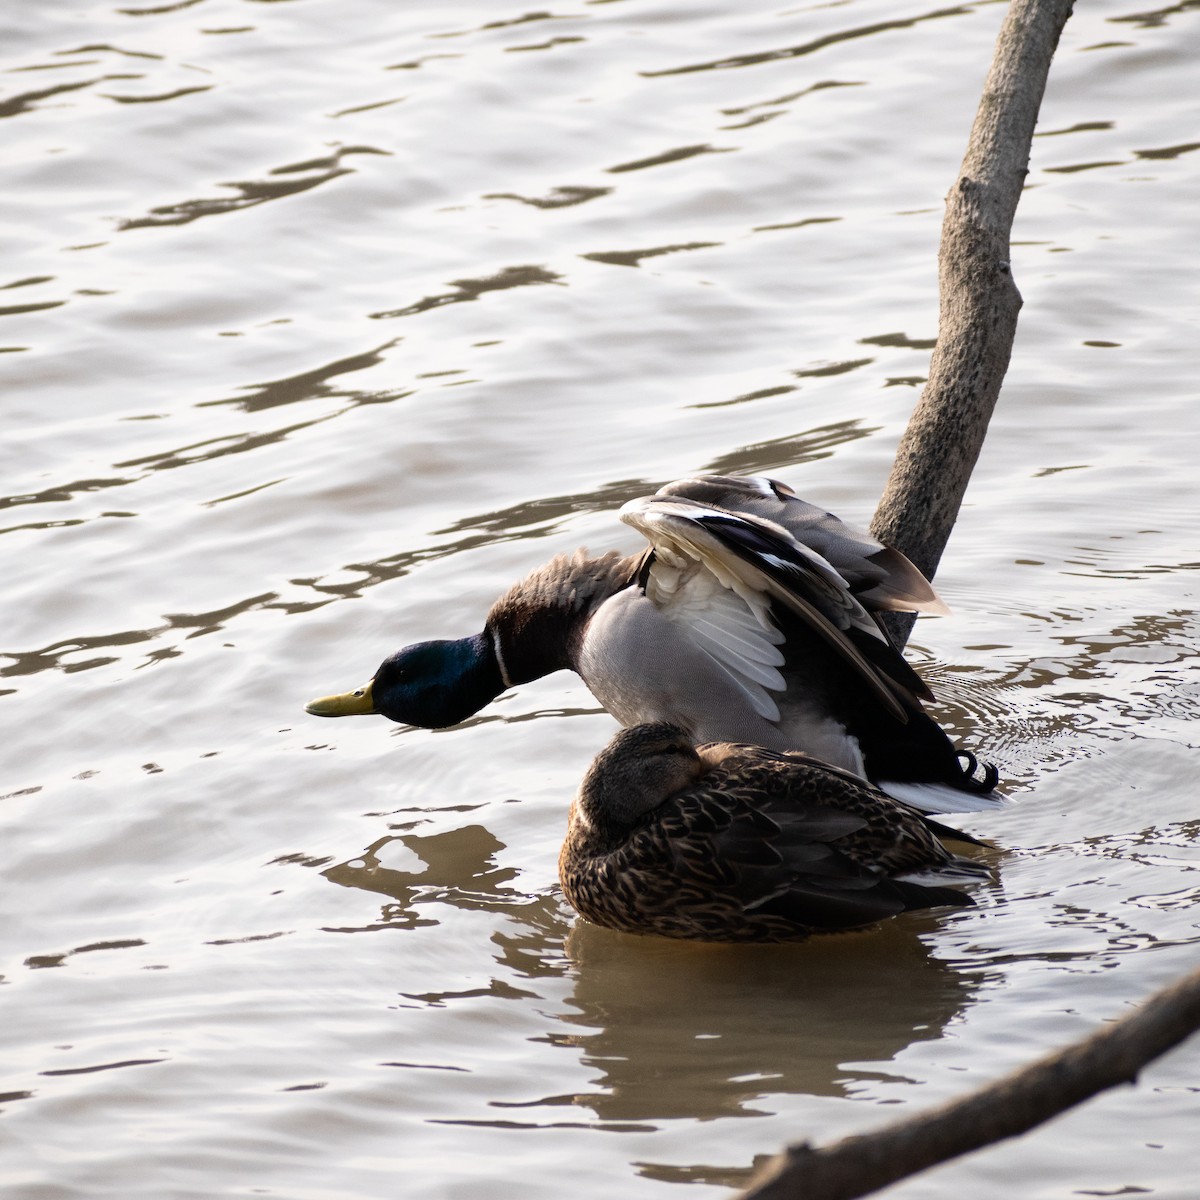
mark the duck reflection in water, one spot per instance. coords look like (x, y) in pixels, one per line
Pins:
(671, 1028)
(675, 1029)
(737, 843)
(456, 867)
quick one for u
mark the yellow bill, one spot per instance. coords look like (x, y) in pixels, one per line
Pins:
(347, 704)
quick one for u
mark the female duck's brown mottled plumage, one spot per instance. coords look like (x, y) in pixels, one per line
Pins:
(735, 843)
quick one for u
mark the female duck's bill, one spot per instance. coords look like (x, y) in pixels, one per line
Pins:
(735, 843)
(750, 617)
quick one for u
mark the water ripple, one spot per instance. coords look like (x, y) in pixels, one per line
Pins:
(811, 47)
(467, 290)
(252, 193)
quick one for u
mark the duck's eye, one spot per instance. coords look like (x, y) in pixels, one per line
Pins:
(676, 748)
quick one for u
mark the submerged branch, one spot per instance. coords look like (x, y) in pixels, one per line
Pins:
(857, 1166)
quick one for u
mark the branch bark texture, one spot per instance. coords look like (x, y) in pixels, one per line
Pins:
(858, 1166)
(979, 301)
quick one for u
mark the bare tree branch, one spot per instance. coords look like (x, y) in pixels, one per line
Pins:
(857, 1166)
(979, 301)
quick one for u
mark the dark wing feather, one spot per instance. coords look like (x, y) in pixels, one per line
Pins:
(880, 577)
(762, 560)
(806, 587)
(837, 841)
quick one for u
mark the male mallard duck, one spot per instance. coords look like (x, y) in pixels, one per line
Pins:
(749, 618)
(732, 843)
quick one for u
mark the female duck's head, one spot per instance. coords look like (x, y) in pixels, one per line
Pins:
(639, 769)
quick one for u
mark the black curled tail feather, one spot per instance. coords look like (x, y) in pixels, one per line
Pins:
(922, 752)
(968, 781)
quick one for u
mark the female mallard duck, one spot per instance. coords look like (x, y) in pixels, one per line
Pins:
(734, 843)
(750, 618)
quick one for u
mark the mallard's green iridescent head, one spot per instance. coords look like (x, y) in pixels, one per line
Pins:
(431, 684)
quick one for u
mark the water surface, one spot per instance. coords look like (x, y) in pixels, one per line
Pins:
(325, 322)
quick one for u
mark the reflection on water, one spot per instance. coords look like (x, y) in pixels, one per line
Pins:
(457, 868)
(810, 47)
(288, 180)
(777, 453)
(528, 520)
(466, 290)
(674, 1030)
(681, 1030)
(312, 384)
(559, 197)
